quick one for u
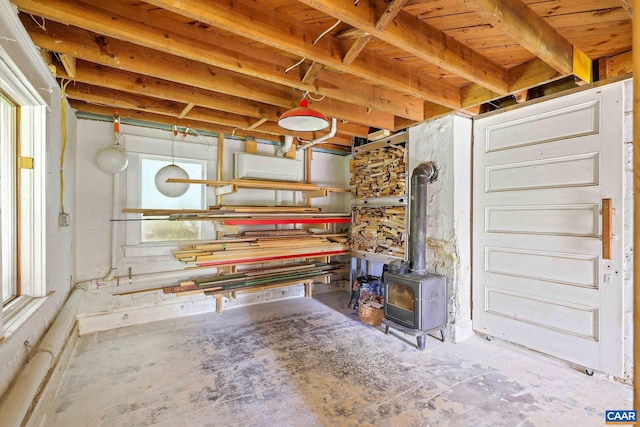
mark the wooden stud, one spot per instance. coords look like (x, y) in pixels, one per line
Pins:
(251, 146)
(312, 73)
(258, 123)
(291, 154)
(220, 167)
(69, 64)
(355, 50)
(186, 110)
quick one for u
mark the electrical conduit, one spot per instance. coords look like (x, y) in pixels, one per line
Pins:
(331, 134)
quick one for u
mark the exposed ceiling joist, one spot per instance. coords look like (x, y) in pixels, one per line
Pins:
(124, 29)
(231, 65)
(277, 30)
(422, 40)
(393, 8)
(520, 23)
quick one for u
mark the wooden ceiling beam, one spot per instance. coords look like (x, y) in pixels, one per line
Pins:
(122, 28)
(515, 19)
(162, 119)
(275, 29)
(333, 82)
(116, 99)
(420, 39)
(524, 76)
(126, 56)
(119, 99)
(393, 8)
(627, 5)
(616, 65)
(166, 120)
(98, 75)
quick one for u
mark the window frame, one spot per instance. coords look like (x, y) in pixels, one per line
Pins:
(185, 149)
(30, 219)
(9, 208)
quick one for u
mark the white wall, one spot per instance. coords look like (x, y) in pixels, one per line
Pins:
(447, 142)
(60, 262)
(94, 199)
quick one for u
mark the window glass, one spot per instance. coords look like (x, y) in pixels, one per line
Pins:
(8, 269)
(159, 230)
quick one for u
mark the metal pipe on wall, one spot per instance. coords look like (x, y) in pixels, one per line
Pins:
(113, 267)
(421, 176)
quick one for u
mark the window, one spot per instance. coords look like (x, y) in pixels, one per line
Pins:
(154, 236)
(150, 198)
(22, 194)
(8, 205)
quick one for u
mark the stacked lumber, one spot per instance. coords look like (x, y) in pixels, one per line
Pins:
(378, 173)
(379, 229)
(270, 276)
(217, 211)
(250, 250)
(262, 209)
(260, 184)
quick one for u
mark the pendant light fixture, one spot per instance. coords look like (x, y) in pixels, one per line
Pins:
(172, 189)
(113, 159)
(303, 119)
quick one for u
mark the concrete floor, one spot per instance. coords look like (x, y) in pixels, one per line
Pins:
(303, 362)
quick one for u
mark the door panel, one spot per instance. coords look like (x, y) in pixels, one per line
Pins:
(539, 280)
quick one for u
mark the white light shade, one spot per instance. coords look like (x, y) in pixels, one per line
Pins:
(112, 159)
(171, 189)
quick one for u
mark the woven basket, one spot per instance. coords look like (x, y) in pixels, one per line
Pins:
(370, 315)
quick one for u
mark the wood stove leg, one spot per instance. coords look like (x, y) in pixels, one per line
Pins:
(421, 342)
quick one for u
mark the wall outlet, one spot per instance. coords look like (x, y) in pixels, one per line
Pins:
(64, 219)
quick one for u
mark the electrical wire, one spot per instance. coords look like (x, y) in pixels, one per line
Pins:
(295, 65)
(324, 33)
(307, 93)
(42, 26)
(327, 31)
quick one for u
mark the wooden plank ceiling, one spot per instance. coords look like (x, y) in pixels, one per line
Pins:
(235, 66)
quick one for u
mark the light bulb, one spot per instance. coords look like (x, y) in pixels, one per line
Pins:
(171, 189)
(112, 159)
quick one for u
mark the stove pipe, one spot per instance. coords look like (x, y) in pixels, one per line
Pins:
(422, 175)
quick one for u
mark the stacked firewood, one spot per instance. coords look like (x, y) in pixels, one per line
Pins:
(379, 229)
(378, 173)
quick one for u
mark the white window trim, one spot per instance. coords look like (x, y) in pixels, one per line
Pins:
(33, 110)
(184, 148)
(8, 218)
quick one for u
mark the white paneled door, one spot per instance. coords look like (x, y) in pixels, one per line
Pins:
(540, 276)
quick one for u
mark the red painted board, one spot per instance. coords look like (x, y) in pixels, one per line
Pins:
(284, 221)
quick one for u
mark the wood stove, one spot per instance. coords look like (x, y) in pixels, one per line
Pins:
(416, 301)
